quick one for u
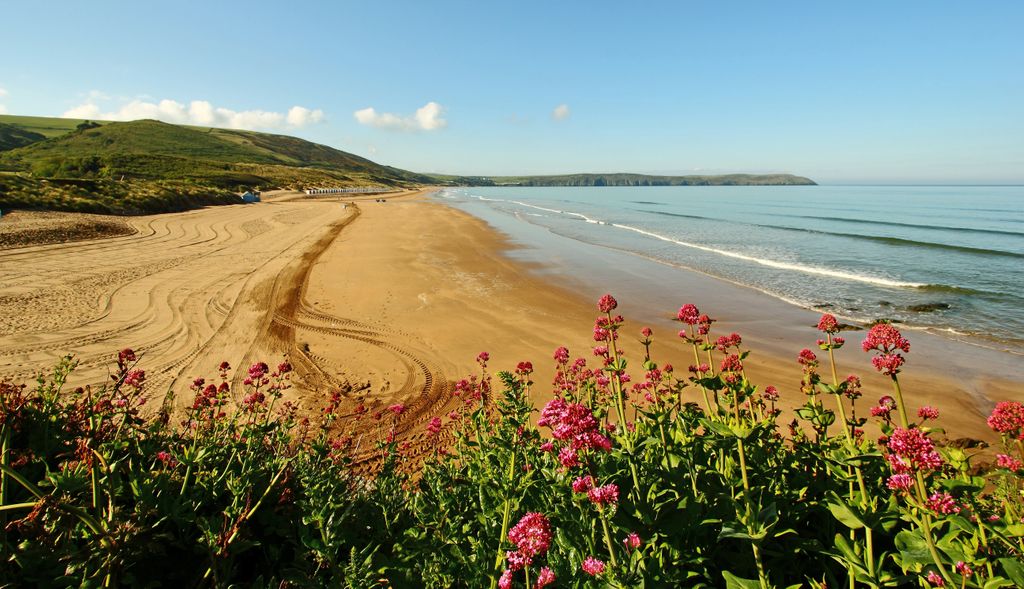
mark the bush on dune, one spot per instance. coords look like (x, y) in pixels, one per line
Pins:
(649, 476)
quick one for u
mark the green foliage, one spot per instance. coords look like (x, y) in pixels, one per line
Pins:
(239, 490)
(12, 136)
(175, 166)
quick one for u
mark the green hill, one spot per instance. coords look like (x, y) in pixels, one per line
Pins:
(13, 137)
(630, 180)
(46, 126)
(150, 166)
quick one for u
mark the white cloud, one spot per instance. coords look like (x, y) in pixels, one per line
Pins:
(3, 109)
(428, 117)
(198, 112)
(3, 92)
(299, 116)
(561, 112)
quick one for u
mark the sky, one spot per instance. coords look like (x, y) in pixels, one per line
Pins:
(867, 92)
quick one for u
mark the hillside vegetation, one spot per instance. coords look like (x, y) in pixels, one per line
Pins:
(150, 166)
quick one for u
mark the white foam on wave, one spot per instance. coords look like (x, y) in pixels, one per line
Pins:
(831, 273)
(777, 264)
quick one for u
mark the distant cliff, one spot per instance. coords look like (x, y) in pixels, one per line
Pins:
(631, 180)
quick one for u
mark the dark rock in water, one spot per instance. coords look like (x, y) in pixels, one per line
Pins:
(824, 305)
(884, 304)
(928, 307)
(883, 320)
(965, 443)
(849, 327)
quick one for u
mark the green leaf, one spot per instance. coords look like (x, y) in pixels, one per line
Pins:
(913, 549)
(734, 582)
(1013, 569)
(844, 513)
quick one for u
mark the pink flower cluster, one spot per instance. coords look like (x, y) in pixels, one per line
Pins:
(1008, 462)
(434, 427)
(604, 495)
(574, 424)
(732, 363)
(688, 314)
(887, 341)
(1008, 418)
(728, 341)
(607, 304)
(257, 372)
(135, 378)
(592, 566)
(942, 503)
(900, 482)
(828, 324)
(606, 329)
(807, 358)
(910, 450)
(532, 537)
(166, 459)
(886, 405)
(582, 484)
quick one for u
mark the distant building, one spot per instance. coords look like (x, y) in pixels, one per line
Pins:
(250, 196)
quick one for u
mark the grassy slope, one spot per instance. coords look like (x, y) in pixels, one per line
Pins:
(13, 137)
(112, 167)
(48, 127)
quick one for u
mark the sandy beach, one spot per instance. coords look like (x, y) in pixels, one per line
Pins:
(391, 302)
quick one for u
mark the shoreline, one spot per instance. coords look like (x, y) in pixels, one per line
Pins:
(390, 302)
(544, 308)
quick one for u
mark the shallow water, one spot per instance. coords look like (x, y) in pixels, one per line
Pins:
(947, 259)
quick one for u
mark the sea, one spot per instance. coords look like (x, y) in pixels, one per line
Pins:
(947, 259)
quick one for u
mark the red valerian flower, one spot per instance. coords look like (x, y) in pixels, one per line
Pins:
(607, 304)
(887, 341)
(1008, 418)
(688, 314)
(604, 495)
(592, 566)
(911, 450)
(828, 323)
(532, 535)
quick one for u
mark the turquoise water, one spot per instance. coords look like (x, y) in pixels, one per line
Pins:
(947, 259)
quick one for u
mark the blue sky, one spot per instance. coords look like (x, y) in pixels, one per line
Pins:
(865, 92)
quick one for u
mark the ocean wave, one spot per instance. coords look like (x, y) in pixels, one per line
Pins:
(897, 241)
(802, 268)
(913, 225)
(832, 273)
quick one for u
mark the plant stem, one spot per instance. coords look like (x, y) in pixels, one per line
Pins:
(762, 577)
(904, 422)
(607, 540)
(506, 516)
(869, 541)
(704, 391)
